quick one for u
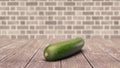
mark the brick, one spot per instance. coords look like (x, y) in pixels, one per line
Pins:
(13, 27)
(97, 27)
(88, 3)
(87, 32)
(69, 22)
(60, 22)
(69, 13)
(3, 22)
(4, 8)
(106, 22)
(106, 27)
(60, 27)
(87, 27)
(115, 27)
(50, 8)
(32, 27)
(31, 32)
(12, 3)
(79, 32)
(97, 22)
(31, 23)
(50, 13)
(41, 18)
(116, 32)
(13, 32)
(116, 13)
(115, 36)
(22, 36)
(41, 8)
(50, 32)
(69, 32)
(31, 18)
(41, 36)
(41, 13)
(4, 36)
(4, 17)
(41, 27)
(4, 0)
(13, 22)
(50, 3)
(69, 36)
(31, 3)
(106, 32)
(116, 22)
(50, 22)
(50, 27)
(60, 18)
(13, 36)
(3, 3)
(22, 22)
(106, 13)
(88, 13)
(12, 8)
(23, 32)
(97, 3)
(50, 18)
(31, 13)
(97, 17)
(88, 22)
(115, 8)
(69, 27)
(4, 27)
(78, 18)
(41, 32)
(107, 17)
(22, 27)
(88, 36)
(22, 18)
(78, 27)
(69, 3)
(78, 8)
(97, 0)
(22, 8)
(88, 18)
(106, 36)
(41, 3)
(107, 3)
(115, 18)
(13, 13)
(60, 8)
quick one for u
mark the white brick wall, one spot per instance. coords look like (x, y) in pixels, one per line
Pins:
(59, 18)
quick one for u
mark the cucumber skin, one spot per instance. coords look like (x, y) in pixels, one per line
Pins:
(57, 51)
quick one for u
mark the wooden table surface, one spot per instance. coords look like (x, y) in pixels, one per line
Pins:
(97, 53)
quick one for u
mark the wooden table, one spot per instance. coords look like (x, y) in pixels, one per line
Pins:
(97, 53)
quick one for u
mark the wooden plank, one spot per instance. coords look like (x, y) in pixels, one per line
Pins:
(97, 57)
(76, 61)
(11, 49)
(5, 42)
(111, 47)
(22, 57)
(39, 62)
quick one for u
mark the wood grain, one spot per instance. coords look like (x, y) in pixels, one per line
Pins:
(5, 42)
(39, 61)
(11, 49)
(22, 57)
(97, 53)
(97, 57)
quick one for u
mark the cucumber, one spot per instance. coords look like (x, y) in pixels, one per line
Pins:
(63, 49)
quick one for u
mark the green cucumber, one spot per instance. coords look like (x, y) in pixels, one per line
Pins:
(63, 49)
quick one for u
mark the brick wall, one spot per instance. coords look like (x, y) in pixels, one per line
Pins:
(59, 18)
